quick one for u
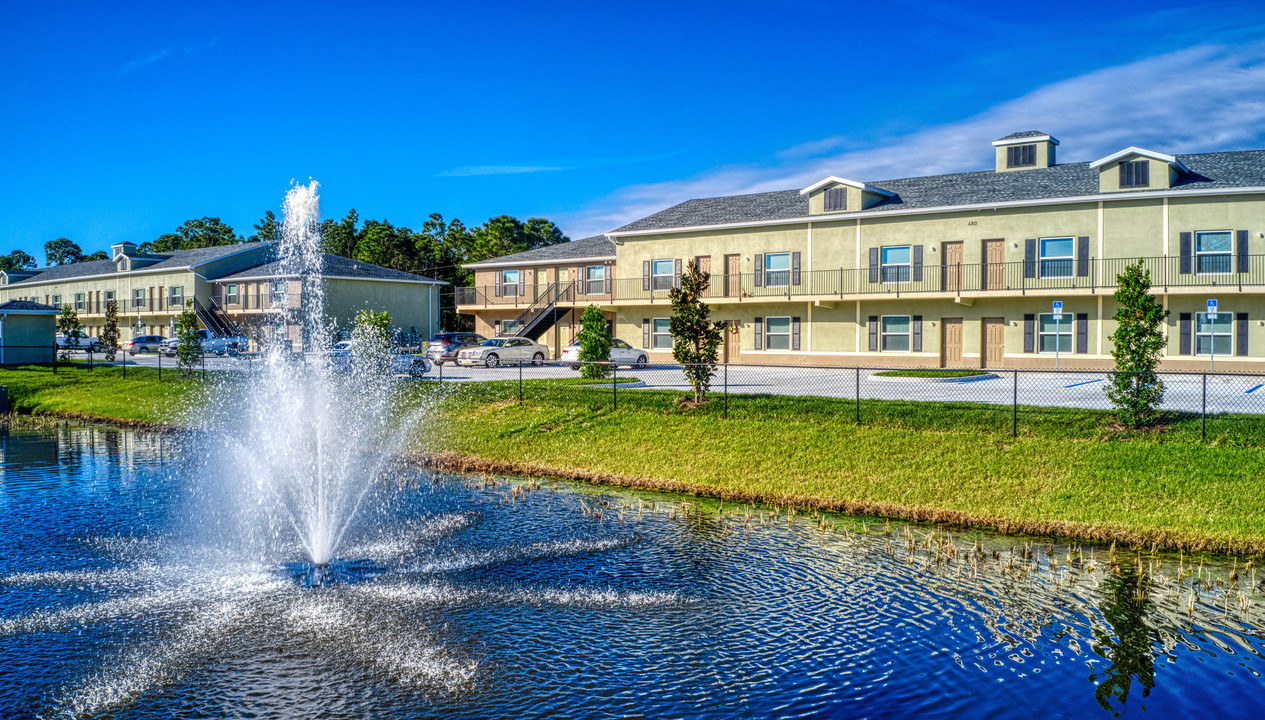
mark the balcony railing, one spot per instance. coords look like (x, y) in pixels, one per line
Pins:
(1090, 275)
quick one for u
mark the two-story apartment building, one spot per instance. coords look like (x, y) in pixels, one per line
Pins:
(958, 270)
(233, 289)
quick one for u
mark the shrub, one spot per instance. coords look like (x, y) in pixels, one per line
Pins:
(1135, 390)
(595, 343)
(695, 339)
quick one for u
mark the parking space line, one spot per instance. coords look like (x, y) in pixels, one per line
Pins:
(1087, 382)
(1252, 390)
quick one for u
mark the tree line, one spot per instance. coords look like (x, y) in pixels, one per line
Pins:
(437, 250)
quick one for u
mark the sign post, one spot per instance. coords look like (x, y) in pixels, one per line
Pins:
(1058, 339)
(1211, 317)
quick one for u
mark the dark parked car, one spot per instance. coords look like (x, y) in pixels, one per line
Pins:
(443, 346)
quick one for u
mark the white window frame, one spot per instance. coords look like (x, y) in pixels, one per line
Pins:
(1227, 254)
(510, 327)
(231, 296)
(107, 296)
(655, 275)
(1069, 259)
(884, 266)
(81, 302)
(138, 298)
(883, 334)
(777, 277)
(769, 334)
(171, 296)
(589, 279)
(1214, 334)
(279, 298)
(57, 301)
(506, 284)
(655, 334)
(1067, 322)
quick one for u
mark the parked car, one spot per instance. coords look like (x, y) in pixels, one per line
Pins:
(342, 357)
(621, 354)
(217, 345)
(444, 346)
(501, 351)
(79, 340)
(143, 344)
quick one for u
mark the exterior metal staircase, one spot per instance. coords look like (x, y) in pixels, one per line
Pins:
(542, 313)
(215, 319)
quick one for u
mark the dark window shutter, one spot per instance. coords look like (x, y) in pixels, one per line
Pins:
(522, 282)
(794, 268)
(917, 263)
(676, 273)
(497, 327)
(645, 333)
(1240, 334)
(1183, 324)
(1029, 333)
(499, 277)
(873, 265)
(1030, 258)
(915, 342)
(873, 333)
(1240, 250)
(759, 270)
(1184, 242)
(1082, 333)
(645, 275)
(609, 279)
(836, 199)
(759, 333)
(1082, 256)
(795, 333)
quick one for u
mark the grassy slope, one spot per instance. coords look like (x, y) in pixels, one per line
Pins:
(1068, 472)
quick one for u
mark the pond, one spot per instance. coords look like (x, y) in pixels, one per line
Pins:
(519, 598)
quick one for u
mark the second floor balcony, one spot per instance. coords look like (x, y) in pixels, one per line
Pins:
(966, 280)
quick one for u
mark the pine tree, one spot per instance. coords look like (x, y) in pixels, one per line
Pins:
(595, 343)
(696, 340)
(1135, 389)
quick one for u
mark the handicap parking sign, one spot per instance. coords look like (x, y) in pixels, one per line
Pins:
(1058, 311)
(1212, 309)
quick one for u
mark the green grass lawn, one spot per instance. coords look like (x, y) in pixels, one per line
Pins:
(1069, 472)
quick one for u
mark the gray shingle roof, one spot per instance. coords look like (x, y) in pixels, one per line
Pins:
(1208, 171)
(1022, 135)
(26, 306)
(598, 246)
(335, 266)
(178, 260)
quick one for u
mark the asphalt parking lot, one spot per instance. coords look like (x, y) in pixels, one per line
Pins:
(1224, 393)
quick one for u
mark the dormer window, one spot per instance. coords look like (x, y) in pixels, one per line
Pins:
(836, 199)
(1135, 174)
(1018, 156)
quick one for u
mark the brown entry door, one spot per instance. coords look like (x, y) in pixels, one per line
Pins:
(952, 254)
(733, 341)
(951, 342)
(994, 267)
(733, 268)
(994, 341)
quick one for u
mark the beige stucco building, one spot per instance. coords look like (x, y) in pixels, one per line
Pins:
(958, 270)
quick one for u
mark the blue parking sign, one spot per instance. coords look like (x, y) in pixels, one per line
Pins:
(1212, 309)
(1058, 310)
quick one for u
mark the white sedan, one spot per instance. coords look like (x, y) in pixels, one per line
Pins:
(502, 351)
(621, 354)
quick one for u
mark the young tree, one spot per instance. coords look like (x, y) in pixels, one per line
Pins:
(595, 343)
(1135, 389)
(371, 340)
(110, 333)
(189, 342)
(696, 340)
(69, 327)
(62, 251)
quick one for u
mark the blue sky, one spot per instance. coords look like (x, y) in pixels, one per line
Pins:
(120, 122)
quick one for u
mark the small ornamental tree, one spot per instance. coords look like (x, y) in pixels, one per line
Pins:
(68, 326)
(1135, 389)
(371, 342)
(188, 341)
(595, 343)
(695, 339)
(110, 333)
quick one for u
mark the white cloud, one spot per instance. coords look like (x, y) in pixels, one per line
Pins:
(474, 170)
(141, 62)
(1196, 100)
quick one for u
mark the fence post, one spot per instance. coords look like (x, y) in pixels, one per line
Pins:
(1014, 409)
(726, 391)
(520, 382)
(858, 388)
(54, 358)
(89, 358)
(1203, 409)
(124, 363)
(160, 365)
(441, 371)
(203, 367)
(614, 387)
